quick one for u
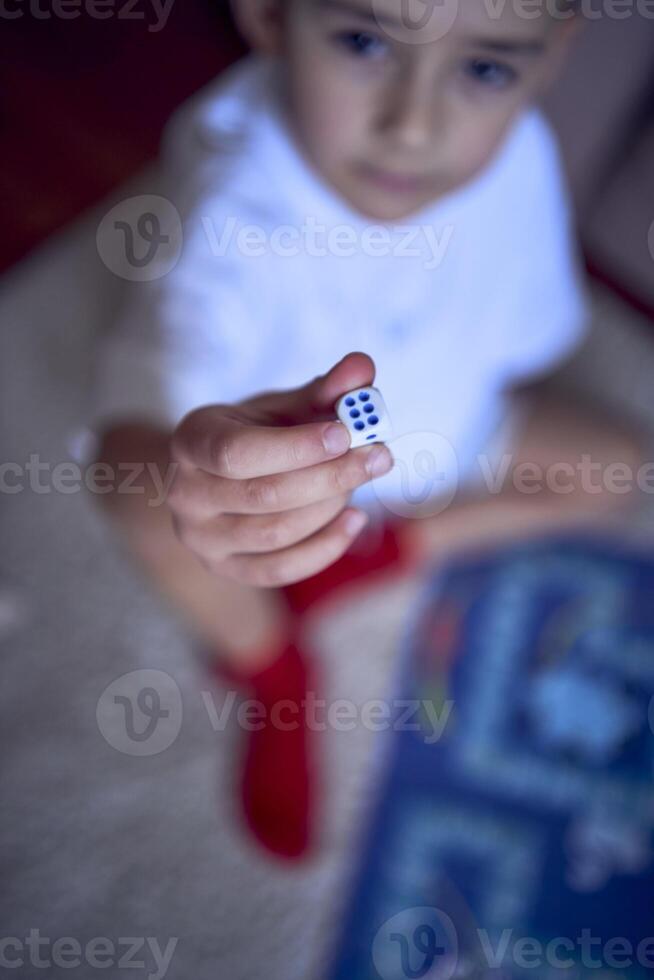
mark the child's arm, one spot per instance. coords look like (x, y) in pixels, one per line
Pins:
(234, 619)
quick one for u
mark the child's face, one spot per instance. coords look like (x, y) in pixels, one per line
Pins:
(392, 114)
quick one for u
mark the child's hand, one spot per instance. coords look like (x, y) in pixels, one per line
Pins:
(262, 486)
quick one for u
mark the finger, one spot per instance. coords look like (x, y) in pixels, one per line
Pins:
(302, 560)
(217, 441)
(227, 534)
(202, 496)
(314, 400)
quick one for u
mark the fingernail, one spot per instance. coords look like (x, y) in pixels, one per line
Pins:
(379, 461)
(355, 521)
(336, 438)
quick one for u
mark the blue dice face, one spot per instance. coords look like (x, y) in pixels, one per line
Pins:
(364, 413)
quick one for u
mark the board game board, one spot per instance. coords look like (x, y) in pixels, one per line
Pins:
(518, 840)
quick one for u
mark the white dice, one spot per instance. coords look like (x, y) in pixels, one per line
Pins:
(364, 413)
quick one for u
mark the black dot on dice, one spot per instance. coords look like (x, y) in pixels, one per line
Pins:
(372, 420)
(363, 396)
(355, 413)
(350, 401)
(369, 407)
(373, 436)
(359, 425)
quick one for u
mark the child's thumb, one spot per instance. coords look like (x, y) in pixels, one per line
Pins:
(315, 401)
(353, 371)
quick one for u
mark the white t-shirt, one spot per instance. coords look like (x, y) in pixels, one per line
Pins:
(277, 278)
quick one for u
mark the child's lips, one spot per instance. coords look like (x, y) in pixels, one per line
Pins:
(394, 182)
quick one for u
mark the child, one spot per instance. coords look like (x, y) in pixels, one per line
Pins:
(359, 182)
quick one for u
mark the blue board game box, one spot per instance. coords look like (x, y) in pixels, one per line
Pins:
(516, 838)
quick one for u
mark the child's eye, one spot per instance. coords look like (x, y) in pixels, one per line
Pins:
(361, 44)
(492, 74)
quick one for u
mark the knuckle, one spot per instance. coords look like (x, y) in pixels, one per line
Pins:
(345, 476)
(228, 529)
(195, 438)
(224, 461)
(269, 535)
(213, 539)
(184, 438)
(297, 452)
(336, 479)
(302, 451)
(249, 534)
(260, 494)
(207, 543)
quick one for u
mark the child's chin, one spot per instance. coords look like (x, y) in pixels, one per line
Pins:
(385, 209)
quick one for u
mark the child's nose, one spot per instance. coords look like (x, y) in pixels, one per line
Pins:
(408, 116)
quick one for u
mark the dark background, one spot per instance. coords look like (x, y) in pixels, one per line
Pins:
(83, 103)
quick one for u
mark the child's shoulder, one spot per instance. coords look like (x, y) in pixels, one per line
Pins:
(535, 141)
(523, 187)
(529, 161)
(217, 121)
(224, 106)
